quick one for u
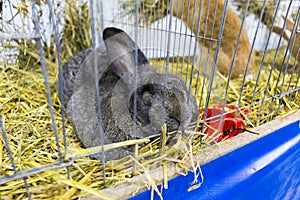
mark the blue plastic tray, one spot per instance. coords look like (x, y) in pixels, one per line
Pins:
(268, 168)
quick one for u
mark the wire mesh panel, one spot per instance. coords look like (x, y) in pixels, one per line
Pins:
(96, 92)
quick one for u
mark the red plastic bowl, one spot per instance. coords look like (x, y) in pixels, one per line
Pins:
(230, 126)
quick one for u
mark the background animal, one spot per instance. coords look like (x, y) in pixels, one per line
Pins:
(293, 37)
(188, 12)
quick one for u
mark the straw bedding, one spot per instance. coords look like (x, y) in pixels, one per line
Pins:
(26, 118)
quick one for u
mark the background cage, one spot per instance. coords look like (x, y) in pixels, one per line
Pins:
(42, 155)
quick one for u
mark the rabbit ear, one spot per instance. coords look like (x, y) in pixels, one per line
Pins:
(121, 51)
(278, 30)
(289, 23)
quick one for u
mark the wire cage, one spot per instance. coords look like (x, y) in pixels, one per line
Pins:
(195, 73)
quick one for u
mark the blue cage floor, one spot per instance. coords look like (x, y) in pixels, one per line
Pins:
(268, 168)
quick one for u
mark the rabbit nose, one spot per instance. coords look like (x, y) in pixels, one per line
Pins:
(173, 124)
(186, 116)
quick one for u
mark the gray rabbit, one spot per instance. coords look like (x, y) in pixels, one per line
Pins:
(116, 72)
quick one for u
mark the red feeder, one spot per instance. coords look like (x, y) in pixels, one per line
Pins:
(230, 126)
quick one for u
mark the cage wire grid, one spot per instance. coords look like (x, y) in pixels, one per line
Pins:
(34, 34)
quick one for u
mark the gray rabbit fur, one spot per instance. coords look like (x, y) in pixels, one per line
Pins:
(115, 61)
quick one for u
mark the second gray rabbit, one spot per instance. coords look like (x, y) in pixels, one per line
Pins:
(115, 61)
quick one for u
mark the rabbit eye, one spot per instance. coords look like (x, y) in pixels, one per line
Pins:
(171, 95)
(73, 73)
(147, 98)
